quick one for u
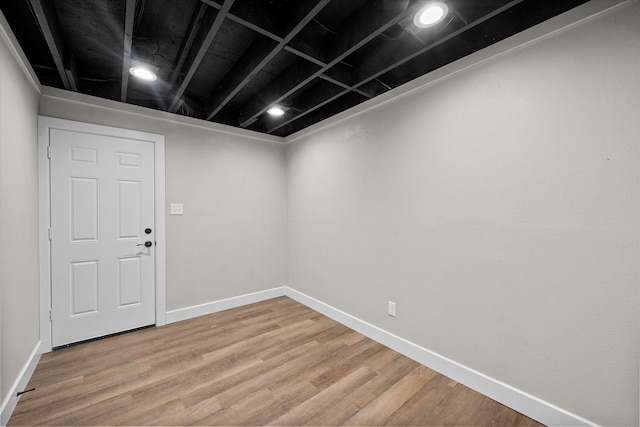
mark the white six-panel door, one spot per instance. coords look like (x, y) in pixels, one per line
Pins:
(102, 213)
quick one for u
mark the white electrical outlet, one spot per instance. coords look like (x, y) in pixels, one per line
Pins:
(176, 209)
(392, 309)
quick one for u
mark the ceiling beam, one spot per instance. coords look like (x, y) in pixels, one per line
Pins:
(370, 70)
(371, 20)
(213, 4)
(318, 95)
(129, 13)
(296, 76)
(399, 61)
(244, 70)
(259, 13)
(189, 40)
(206, 37)
(320, 100)
(251, 64)
(342, 75)
(63, 58)
(306, 54)
(266, 27)
(344, 85)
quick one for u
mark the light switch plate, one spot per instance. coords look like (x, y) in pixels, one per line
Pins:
(176, 208)
(391, 310)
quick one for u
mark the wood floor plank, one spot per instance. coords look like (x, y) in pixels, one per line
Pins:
(234, 386)
(343, 411)
(390, 400)
(275, 362)
(284, 399)
(420, 408)
(352, 359)
(320, 403)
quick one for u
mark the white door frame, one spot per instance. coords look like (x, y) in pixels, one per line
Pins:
(45, 124)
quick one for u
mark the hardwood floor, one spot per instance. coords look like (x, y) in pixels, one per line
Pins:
(272, 363)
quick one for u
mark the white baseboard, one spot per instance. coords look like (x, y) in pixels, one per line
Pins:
(518, 400)
(225, 304)
(11, 400)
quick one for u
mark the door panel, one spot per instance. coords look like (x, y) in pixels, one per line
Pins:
(129, 281)
(83, 287)
(83, 218)
(83, 155)
(129, 205)
(102, 199)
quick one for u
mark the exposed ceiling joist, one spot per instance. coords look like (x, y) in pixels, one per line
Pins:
(371, 70)
(353, 33)
(293, 78)
(207, 35)
(255, 59)
(230, 61)
(344, 85)
(62, 54)
(315, 101)
(189, 40)
(397, 53)
(256, 21)
(306, 52)
(259, 14)
(249, 65)
(267, 29)
(402, 52)
(374, 18)
(129, 12)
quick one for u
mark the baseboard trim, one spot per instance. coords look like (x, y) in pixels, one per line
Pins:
(518, 400)
(220, 305)
(11, 400)
(531, 406)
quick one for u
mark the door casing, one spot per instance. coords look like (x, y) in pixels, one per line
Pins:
(45, 124)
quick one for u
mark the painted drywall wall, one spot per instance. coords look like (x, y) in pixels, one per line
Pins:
(19, 291)
(499, 209)
(231, 239)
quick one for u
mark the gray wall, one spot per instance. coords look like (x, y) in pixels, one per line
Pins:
(499, 209)
(231, 239)
(19, 291)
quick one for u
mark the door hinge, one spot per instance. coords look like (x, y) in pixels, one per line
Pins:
(49, 233)
(50, 315)
(48, 151)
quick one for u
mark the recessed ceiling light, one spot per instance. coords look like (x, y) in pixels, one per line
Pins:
(430, 14)
(275, 111)
(143, 73)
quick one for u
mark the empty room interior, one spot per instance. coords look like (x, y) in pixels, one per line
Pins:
(320, 212)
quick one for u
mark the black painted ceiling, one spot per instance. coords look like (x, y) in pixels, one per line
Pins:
(228, 61)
